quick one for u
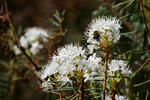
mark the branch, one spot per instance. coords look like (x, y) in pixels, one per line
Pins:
(144, 20)
(60, 96)
(82, 90)
(105, 75)
(13, 31)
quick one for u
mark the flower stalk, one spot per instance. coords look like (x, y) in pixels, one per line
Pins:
(82, 90)
(60, 96)
(105, 74)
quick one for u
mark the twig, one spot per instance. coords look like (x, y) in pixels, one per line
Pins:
(16, 37)
(19, 45)
(123, 20)
(144, 19)
(60, 28)
(82, 90)
(60, 95)
(105, 75)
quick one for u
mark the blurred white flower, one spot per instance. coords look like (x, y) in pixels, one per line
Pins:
(16, 49)
(32, 37)
(116, 65)
(126, 71)
(107, 98)
(35, 47)
(24, 41)
(103, 29)
(117, 97)
(31, 34)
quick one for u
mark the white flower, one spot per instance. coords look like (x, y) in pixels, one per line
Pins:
(94, 62)
(72, 58)
(126, 71)
(107, 98)
(24, 41)
(35, 32)
(64, 79)
(116, 65)
(119, 97)
(91, 48)
(16, 49)
(65, 60)
(31, 38)
(35, 47)
(102, 29)
(46, 86)
(49, 69)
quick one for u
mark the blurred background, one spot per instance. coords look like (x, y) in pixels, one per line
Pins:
(19, 83)
(36, 13)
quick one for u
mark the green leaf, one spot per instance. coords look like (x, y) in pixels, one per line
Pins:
(54, 22)
(124, 16)
(121, 3)
(74, 97)
(4, 63)
(63, 89)
(63, 13)
(146, 98)
(127, 33)
(56, 16)
(142, 83)
(130, 3)
(20, 29)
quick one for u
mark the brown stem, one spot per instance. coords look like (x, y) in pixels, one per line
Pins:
(60, 96)
(82, 90)
(105, 75)
(21, 48)
(13, 31)
(112, 95)
(60, 28)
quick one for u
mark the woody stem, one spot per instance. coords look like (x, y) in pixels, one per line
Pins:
(105, 75)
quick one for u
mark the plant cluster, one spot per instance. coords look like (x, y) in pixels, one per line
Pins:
(81, 68)
(111, 63)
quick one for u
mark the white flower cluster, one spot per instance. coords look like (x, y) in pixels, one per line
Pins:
(71, 63)
(119, 65)
(117, 97)
(31, 38)
(103, 30)
(72, 58)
